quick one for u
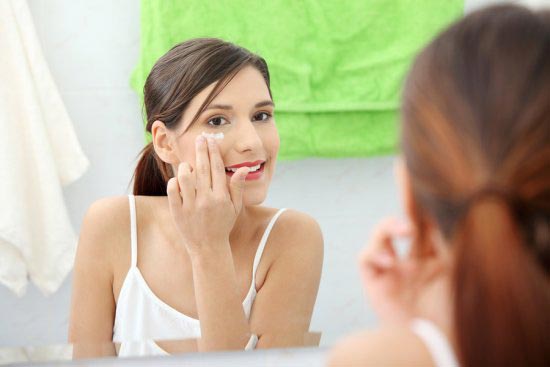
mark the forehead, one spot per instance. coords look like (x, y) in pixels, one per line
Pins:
(247, 83)
(247, 87)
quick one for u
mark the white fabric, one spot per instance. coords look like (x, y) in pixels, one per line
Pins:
(36, 353)
(39, 152)
(441, 351)
(141, 317)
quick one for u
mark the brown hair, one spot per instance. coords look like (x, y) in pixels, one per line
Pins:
(475, 139)
(175, 79)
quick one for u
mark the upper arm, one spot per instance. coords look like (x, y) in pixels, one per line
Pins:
(383, 347)
(92, 301)
(283, 308)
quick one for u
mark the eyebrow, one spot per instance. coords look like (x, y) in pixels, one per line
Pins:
(264, 103)
(229, 107)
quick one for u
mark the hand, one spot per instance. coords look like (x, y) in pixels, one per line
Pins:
(388, 280)
(202, 205)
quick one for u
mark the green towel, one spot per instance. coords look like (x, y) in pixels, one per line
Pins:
(336, 66)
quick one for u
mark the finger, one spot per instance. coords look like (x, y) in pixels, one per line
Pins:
(186, 182)
(379, 255)
(380, 238)
(382, 255)
(217, 167)
(173, 191)
(382, 260)
(174, 197)
(403, 228)
(236, 187)
(202, 172)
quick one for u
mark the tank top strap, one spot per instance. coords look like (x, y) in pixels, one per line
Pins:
(436, 343)
(263, 241)
(133, 230)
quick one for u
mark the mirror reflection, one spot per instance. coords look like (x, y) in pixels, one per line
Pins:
(199, 243)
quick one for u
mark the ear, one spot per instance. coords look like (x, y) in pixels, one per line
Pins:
(412, 212)
(405, 189)
(162, 143)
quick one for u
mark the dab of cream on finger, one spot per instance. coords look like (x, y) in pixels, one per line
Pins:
(217, 136)
(402, 247)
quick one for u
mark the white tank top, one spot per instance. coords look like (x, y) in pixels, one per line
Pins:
(435, 341)
(141, 317)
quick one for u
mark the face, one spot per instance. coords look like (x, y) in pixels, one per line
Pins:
(243, 113)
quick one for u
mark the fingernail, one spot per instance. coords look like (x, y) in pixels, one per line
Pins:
(199, 140)
(384, 259)
(403, 227)
(210, 141)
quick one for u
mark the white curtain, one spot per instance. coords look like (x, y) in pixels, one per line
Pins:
(39, 153)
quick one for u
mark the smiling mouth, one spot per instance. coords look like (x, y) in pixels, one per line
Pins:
(256, 170)
(252, 168)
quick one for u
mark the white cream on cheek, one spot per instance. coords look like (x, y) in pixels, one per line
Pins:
(217, 136)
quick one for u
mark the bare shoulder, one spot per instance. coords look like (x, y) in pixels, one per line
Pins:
(105, 225)
(110, 208)
(395, 346)
(297, 247)
(102, 235)
(297, 229)
(107, 217)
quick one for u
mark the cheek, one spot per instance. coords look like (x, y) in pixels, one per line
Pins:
(276, 144)
(271, 141)
(186, 151)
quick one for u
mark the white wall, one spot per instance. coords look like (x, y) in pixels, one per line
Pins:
(91, 48)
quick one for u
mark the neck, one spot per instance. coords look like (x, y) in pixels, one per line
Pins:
(242, 223)
(435, 303)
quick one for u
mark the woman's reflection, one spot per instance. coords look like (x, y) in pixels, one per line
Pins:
(193, 254)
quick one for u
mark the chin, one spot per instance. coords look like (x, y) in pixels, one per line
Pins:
(254, 197)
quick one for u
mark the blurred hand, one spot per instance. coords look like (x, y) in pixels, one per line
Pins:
(388, 279)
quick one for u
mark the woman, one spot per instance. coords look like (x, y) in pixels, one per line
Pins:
(475, 179)
(194, 243)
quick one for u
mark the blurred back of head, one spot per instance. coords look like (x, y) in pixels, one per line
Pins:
(475, 139)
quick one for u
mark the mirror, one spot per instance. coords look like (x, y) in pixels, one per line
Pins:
(91, 49)
(94, 351)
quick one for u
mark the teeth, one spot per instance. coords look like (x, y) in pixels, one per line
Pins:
(255, 168)
(252, 169)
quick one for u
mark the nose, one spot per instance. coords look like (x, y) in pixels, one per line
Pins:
(248, 138)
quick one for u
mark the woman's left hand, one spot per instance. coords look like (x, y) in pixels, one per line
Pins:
(204, 207)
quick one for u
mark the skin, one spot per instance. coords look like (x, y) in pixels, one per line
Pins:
(400, 289)
(196, 246)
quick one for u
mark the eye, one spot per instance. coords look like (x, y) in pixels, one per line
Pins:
(217, 121)
(262, 116)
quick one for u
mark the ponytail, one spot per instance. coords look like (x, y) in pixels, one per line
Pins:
(151, 174)
(502, 294)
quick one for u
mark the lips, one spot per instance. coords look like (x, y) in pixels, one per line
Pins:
(256, 169)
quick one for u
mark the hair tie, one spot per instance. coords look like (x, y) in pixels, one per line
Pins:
(487, 191)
